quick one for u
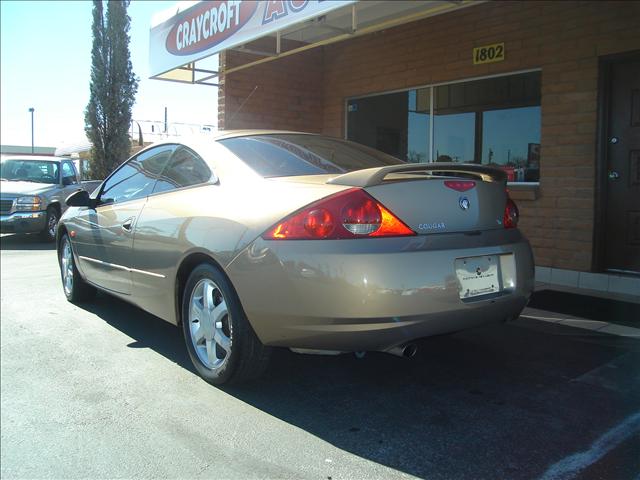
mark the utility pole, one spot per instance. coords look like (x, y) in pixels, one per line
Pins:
(31, 109)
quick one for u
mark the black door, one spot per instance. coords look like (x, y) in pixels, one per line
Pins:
(622, 244)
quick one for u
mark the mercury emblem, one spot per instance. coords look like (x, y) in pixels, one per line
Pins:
(464, 203)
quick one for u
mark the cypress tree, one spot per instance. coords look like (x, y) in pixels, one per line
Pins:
(112, 89)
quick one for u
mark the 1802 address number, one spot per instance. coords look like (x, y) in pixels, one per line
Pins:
(488, 53)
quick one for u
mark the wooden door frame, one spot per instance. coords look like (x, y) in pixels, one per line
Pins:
(601, 185)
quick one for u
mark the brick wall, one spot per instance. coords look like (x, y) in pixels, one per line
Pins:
(285, 94)
(564, 39)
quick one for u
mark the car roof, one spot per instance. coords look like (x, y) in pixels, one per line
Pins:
(222, 134)
(202, 143)
(206, 139)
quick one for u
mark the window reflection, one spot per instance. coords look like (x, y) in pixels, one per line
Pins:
(418, 126)
(380, 122)
(184, 169)
(511, 141)
(454, 137)
(135, 179)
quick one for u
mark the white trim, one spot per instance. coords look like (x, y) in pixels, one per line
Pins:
(431, 135)
(346, 117)
(151, 274)
(524, 184)
(121, 267)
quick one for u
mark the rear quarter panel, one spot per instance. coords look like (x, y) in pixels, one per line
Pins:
(218, 220)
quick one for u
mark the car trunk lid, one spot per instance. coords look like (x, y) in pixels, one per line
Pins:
(437, 197)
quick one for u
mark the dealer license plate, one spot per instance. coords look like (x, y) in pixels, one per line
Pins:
(478, 275)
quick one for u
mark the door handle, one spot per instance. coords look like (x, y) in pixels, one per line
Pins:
(127, 224)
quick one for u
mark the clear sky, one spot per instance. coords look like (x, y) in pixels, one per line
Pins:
(45, 62)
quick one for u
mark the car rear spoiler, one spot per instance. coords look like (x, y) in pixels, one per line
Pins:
(369, 177)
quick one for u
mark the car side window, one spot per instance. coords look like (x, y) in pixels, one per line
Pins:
(68, 174)
(135, 179)
(185, 169)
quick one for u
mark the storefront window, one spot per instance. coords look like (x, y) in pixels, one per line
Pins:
(491, 121)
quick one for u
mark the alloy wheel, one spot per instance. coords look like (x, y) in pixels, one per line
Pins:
(66, 262)
(210, 324)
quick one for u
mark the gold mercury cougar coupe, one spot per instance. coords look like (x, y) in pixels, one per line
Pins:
(260, 239)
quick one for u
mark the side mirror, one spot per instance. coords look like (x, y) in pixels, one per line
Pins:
(79, 199)
(66, 181)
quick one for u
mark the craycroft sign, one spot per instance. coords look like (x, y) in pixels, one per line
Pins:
(198, 30)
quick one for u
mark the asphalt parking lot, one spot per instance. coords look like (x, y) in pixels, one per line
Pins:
(106, 390)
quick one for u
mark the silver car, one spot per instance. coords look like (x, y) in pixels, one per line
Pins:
(260, 239)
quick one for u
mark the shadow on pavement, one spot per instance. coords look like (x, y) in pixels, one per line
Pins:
(18, 241)
(505, 401)
(148, 330)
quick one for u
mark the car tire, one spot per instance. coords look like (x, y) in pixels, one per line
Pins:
(75, 288)
(220, 340)
(51, 225)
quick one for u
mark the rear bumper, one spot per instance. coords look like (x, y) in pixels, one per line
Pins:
(23, 222)
(373, 294)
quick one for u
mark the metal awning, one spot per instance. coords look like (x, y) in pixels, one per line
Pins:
(185, 40)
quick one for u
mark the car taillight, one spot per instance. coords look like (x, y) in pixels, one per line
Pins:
(352, 213)
(511, 214)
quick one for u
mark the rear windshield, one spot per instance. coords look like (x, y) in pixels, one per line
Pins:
(284, 155)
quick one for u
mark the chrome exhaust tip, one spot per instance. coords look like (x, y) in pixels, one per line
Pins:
(405, 351)
(410, 350)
